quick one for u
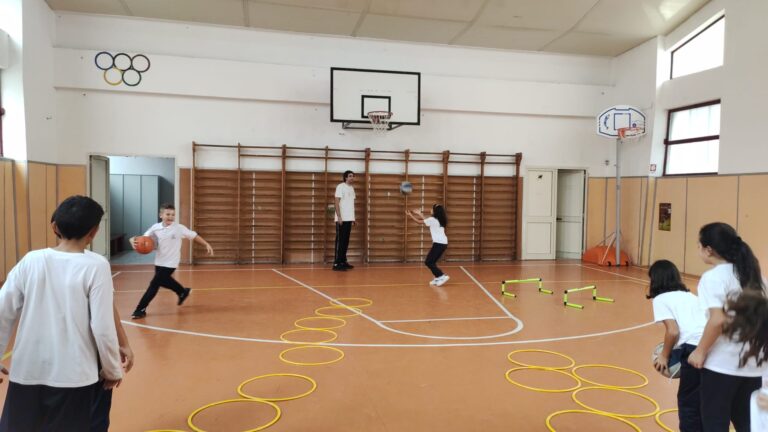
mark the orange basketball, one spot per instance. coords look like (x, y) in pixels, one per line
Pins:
(144, 244)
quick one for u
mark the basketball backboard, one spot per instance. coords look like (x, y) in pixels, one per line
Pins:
(356, 92)
(619, 117)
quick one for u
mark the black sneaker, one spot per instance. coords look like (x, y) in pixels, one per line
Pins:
(339, 267)
(348, 266)
(138, 314)
(183, 296)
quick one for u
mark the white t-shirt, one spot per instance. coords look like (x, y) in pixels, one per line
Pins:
(715, 285)
(684, 308)
(438, 232)
(63, 302)
(346, 193)
(168, 242)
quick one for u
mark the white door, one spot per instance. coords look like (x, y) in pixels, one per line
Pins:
(99, 187)
(570, 213)
(539, 228)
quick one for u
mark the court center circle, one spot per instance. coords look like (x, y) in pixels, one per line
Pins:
(242, 392)
(633, 372)
(554, 414)
(562, 372)
(310, 347)
(649, 399)
(278, 413)
(332, 337)
(571, 360)
(300, 323)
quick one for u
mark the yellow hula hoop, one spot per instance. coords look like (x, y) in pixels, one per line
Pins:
(661, 423)
(573, 362)
(578, 383)
(645, 379)
(355, 311)
(655, 404)
(625, 421)
(282, 356)
(278, 413)
(242, 393)
(284, 338)
(364, 302)
(306, 327)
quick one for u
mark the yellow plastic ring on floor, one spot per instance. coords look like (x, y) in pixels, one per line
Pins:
(645, 379)
(165, 430)
(304, 326)
(364, 302)
(573, 362)
(282, 357)
(355, 311)
(242, 393)
(625, 421)
(278, 413)
(661, 423)
(332, 337)
(655, 404)
(578, 383)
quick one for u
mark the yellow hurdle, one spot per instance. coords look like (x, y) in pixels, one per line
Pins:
(504, 284)
(595, 297)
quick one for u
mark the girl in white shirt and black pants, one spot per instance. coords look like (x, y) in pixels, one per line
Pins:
(436, 224)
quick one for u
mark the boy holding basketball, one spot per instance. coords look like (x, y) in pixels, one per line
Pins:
(62, 298)
(167, 236)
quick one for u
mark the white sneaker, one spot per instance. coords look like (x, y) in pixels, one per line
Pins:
(442, 280)
(434, 281)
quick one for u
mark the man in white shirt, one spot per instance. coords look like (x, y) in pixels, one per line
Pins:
(62, 298)
(345, 219)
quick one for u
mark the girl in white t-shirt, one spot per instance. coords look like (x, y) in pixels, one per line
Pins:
(728, 378)
(436, 224)
(683, 319)
(748, 324)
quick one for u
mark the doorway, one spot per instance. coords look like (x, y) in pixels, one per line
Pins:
(570, 213)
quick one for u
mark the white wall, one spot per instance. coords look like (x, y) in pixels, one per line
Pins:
(227, 85)
(12, 83)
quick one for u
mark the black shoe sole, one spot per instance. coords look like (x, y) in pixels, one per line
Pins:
(185, 296)
(134, 316)
(339, 269)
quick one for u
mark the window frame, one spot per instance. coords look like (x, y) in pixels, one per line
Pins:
(672, 54)
(668, 142)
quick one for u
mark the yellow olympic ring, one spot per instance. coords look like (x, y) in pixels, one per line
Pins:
(306, 327)
(113, 83)
(333, 336)
(282, 357)
(578, 383)
(278, 413)
(355, 311)
(661, 423)
(626, 422)
(645, 379)
(247, 396)
(655, 404)
(573, 362)
(364, 302)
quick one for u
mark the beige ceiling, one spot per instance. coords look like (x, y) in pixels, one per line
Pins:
(594, 27)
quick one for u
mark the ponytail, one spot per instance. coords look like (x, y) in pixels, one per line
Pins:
(749, 325)
(722, 238)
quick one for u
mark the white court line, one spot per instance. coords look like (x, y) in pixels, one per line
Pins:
(444, 319)
(115, 275)
(436, 345)
(361, 267)
(393, 330)
(501, 306)
(644, 282)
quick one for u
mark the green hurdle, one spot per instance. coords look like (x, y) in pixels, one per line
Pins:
(595, 297)
(504, 284)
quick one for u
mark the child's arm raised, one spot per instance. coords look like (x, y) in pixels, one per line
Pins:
(416, 216)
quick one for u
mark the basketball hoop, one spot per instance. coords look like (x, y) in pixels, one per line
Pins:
(636, 131)
(380, 120)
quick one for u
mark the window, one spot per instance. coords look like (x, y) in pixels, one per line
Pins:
(702, 51)
(693, 139)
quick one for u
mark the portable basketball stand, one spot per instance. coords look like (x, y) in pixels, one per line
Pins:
(631, 125)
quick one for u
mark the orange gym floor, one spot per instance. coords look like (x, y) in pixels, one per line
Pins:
(415, 357)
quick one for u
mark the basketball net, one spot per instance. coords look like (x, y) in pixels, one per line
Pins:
(633, 132)
(379, 120)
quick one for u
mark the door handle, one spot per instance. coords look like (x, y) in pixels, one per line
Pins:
(559, 219)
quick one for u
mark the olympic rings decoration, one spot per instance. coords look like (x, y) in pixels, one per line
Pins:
(122, 68)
